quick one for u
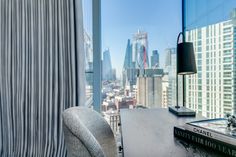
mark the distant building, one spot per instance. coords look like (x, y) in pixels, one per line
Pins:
(150, 72)
(136, 59)
(106, 66)
(108, 105)
(113, 119)
(170, 69)
(129, 76)
(128, 72)
(113, 74)
(155, 59)
(149, 87)
(169, 61)
(140, 50)
(128, 62)
(124, 102)
(149, 91)
(165, 85)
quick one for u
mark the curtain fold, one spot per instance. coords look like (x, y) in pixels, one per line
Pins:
(41, 74)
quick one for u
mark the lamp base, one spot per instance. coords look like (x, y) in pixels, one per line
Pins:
(182, 111)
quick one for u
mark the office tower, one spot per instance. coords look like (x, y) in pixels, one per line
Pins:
(149, 88)
(129, 71)
(140, 50)
(149, 91)
(155, 59)
(128, 56)
(165, 85)
(106, 66)
(136, 58)
(169, 61)
(113, 74)
(170, 69)
(212, 90)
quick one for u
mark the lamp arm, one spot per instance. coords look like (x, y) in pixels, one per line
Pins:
(181, 33)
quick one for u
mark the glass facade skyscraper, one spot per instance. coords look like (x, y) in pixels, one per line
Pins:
(155, 59)
(128, 63)
(140, 50)
(129, 72)
(106, 66)
(170, 68)
(136, 58)
(211, 91)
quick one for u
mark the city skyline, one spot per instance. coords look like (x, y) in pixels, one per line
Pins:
(161, 57)
(130, 17)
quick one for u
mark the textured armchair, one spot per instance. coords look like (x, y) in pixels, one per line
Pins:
(87, 134)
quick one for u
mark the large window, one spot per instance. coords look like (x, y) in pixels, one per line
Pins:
(212, 23)
(139, 54)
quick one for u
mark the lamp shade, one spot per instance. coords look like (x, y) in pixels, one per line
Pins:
(186, 64)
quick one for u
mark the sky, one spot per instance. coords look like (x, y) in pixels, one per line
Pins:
(161, 19)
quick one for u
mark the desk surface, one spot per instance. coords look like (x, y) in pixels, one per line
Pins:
(149, 133)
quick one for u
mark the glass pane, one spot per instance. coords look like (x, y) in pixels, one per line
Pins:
(88, 49)
(139, 53)
(211, 26)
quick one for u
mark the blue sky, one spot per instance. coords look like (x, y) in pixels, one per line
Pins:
(161, 19)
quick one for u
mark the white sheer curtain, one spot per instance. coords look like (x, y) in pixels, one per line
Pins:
(41, 74)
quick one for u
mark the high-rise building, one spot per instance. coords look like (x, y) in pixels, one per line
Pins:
(140, 50)
(170, 69)
(212, 90)
(113, 74)
(128, 73)
(165, 85)
(149, 91)
(136, 59)
(170, 61)
(155, 59)
(149, 88)
(106, 66)
(128, 63)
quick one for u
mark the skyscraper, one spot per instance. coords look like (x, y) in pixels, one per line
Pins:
(170, 68)
(212, 91)
(106, 66)
(155, 59)
(136, 59)
(129, 71)
(128, 56)
(140, 50)
(113, 74)
(149, 88)
(169, 61)
(165, 85)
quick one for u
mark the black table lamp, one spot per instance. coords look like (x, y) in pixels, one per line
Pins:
(185, 66)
